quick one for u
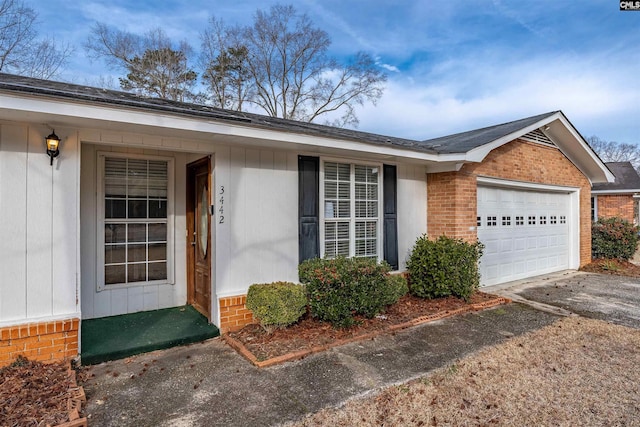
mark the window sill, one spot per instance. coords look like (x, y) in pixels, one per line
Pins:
(101, 288)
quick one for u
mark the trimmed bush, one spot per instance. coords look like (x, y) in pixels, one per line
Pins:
(613, 238)
(444, 267)
(276, 305)
(340, 288)
(396, 288)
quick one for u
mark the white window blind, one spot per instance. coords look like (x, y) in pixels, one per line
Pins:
(135, 220)
(351, 210)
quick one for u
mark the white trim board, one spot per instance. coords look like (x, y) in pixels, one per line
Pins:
(525, 185)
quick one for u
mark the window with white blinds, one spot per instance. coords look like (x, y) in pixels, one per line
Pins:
(351, 203)
(134, 221)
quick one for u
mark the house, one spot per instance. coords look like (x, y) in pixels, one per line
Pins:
(152, 204)
(619, 198)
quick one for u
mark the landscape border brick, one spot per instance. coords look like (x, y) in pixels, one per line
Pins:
(74, 402)
(297, 355)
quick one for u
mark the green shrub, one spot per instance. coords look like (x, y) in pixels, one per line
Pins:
(397, 287)
(340, 288)
(443, 267)
(277, 304)
(613, 238)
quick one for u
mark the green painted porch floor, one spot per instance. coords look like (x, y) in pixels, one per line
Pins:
(116, 337)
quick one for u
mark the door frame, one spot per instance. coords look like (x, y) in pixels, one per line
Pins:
(190, 200)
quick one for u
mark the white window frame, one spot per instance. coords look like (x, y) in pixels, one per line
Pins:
(352, 231)
(100, 220)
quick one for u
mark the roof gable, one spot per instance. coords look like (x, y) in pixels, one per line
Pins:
(470, 140)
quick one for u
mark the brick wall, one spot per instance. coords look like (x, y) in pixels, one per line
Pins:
(234, 313)
(46, 341)
(619, 205)
(452, 196)
(451, 205)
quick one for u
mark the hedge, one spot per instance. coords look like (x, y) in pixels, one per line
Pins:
(340, 288)
(277, 304)
(613, 238)
(444, 267)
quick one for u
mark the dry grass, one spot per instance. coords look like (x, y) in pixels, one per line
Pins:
(575, 372)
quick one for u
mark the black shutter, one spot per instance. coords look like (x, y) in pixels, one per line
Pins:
(308, 211)
(390, 196)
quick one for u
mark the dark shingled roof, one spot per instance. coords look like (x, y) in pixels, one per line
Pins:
(33, 86)
(458, 143)
(626, 178)
(467, 141)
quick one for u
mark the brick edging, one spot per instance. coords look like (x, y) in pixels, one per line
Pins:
(74, 402)
(296, 355)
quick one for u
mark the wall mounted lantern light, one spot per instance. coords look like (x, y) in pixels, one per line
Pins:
(53, 142)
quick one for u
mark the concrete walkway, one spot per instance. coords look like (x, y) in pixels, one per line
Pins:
(208, 384)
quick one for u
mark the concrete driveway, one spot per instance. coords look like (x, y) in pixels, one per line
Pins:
(599, 296)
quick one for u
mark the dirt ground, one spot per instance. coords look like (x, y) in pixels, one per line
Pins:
(34, 394)
(613, 266)
(576, 371)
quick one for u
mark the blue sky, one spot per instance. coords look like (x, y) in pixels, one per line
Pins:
(452, 65)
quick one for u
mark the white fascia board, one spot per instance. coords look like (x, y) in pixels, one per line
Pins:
(445, 167)
(614, 192)
(495, 182)
(587, 149)
(133, 116)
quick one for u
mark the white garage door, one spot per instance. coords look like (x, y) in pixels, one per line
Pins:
(525, 233)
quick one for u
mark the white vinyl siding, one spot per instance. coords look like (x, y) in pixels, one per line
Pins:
(133, 218)
(39, 252)
(351, 210)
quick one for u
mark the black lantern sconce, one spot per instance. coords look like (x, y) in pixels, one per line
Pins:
(53, 142)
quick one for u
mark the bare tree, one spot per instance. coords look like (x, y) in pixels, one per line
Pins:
(21, 52)
(153, 66)
(611, 151)
(224, 61)
(291, 72)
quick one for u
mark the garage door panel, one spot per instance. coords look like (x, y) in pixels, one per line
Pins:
(506, 245)
(491, 272)
(506, 270)
(543, 242)
(525, 233)
(491, 246)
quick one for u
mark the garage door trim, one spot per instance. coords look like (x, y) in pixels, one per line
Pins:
(524, 185)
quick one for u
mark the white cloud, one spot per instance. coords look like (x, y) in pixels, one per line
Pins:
(597, 100)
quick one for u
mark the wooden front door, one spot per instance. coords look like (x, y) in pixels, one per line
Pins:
(199, 235)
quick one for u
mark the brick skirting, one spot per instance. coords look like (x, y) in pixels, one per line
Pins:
(45, 341)
(234, 313)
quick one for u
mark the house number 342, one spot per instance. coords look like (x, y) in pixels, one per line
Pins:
(221, 205)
